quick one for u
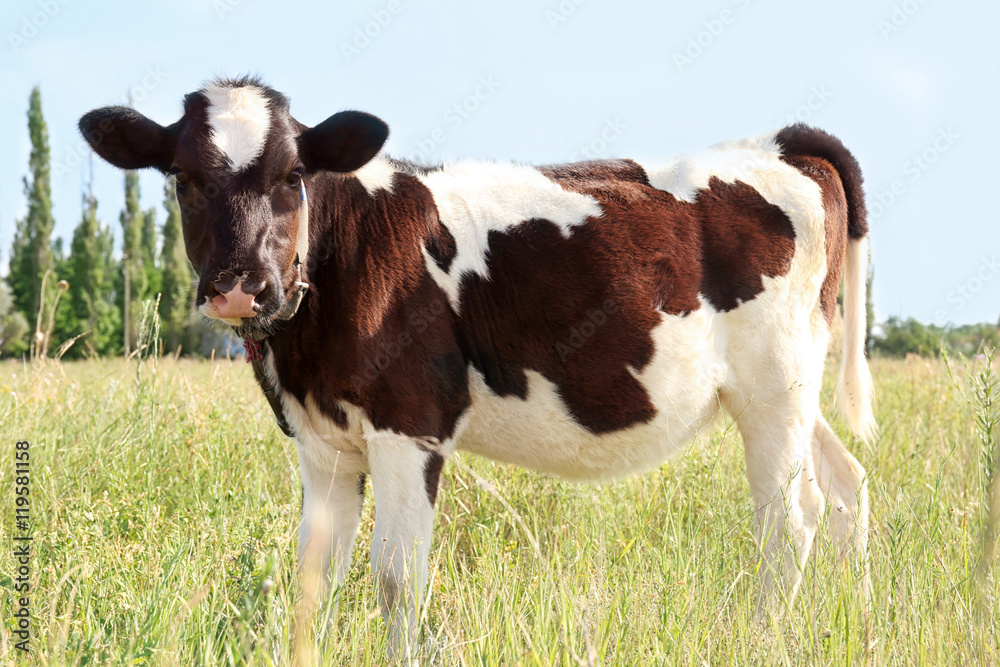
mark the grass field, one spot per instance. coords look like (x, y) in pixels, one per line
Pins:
(165, 505)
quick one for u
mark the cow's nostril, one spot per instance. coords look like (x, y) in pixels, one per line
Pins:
(253, 287)
(225, 283)
(237, 295)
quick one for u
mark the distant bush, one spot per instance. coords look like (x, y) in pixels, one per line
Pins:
(898, 338)
(13, 327)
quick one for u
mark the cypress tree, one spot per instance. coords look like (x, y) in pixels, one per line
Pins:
(134, 283)
(109, 330)
(90, 274)
(176, 272)
(31, 255)
(150, 259)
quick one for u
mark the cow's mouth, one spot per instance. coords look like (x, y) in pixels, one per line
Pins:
(249, 317)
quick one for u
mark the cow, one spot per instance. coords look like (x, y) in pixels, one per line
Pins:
(586, 320)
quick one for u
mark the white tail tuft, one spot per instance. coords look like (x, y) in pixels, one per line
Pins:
(855, 382)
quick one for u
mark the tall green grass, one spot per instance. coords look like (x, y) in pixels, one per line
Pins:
(166, 505)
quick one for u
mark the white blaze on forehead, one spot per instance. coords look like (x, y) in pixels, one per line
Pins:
(239, 118)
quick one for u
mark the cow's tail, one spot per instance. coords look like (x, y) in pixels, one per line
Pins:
(854, 387)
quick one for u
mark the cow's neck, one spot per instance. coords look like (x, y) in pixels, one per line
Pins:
(366, 251)
(364, 261)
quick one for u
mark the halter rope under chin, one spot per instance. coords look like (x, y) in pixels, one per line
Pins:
(252, 344)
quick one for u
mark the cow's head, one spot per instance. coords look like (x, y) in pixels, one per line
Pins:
(243, 167)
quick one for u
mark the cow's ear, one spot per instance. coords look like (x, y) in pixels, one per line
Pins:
(343, 142)
(127, 139)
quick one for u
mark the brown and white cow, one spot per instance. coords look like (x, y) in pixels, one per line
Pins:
(586, 320)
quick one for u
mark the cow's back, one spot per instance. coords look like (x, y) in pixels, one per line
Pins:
(597, 300)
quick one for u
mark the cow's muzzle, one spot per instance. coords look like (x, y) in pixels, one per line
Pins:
(239, 302)
(235, 298)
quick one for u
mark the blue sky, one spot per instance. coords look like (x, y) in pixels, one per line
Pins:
(909, 86)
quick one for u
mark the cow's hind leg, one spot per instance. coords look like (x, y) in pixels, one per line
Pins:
(843, 482)
(777, 426)
(405, 476)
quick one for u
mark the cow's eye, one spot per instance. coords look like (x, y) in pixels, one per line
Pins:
(180, 177)
(294, 179)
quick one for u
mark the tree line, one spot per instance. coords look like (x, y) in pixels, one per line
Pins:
(87, 301)
(899, 337)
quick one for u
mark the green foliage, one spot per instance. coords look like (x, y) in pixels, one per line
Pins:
(31, 255)
(150, 266)
(134, 284)
(91, 275)
(13, 326)
(985, 385)
(177, 277)
(901, 337)
(95, 302)
(970, 339)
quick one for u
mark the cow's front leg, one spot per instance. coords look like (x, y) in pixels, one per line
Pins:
(405, 476)
(331, 513)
